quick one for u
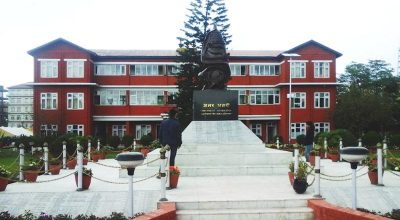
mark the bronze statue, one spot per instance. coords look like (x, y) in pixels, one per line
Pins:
(213, 55)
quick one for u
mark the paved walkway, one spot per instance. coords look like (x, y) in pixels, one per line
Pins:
(103, 198)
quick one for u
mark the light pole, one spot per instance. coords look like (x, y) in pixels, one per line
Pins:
(290, 95)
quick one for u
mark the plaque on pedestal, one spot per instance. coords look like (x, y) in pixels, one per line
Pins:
(215, 105)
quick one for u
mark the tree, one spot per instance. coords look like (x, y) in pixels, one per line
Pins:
(203, 15)
(367, 99)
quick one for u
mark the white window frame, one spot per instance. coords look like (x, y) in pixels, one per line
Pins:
(49, 68)
(118, 130)
(322, 127)
(321, 99)
(142, 129)
(75, 101)
(256, 129)
(264, 69)
(75, 68)
(173, 69)
(297, 129)
(146, 70)
(77, 129)
(146, 97)
(299, 100)
(111, 97)
(298, 69)
(110, 69)
(321, 69)
(48, 129)
(48, 101)
(264, 96)
(236, 69)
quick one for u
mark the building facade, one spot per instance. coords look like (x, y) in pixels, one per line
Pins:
(119, 92)
(20, 107)
(3, 107)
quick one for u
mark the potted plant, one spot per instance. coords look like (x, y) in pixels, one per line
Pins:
(174, 173)
(372, 164)
(291, 172)
(300, 182)
(146, 141)
(333, 149)
(71, 163)
(54, 166)
(31, 171)
(96, 155)
(4, 175)
(86, 178)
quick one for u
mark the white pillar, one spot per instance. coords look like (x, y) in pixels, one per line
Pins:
(64, 155)
(21, 161)
(317, 171)
(130, 196)
(277, 142)
(89, 150)
(296, 160)
(385, 152)
(380, 173)
(354, 196)
(326, 147)
(134, 144)
(163, 175)
(80, 166)
(46, 158)
(340, 148)
(359, 142)
(167, 167)
(98, 144)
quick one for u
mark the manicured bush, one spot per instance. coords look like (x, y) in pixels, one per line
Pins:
(348, 139)
(127, 140)
(371, 138)
(394, 140)
(146, 140)
(114, 141)
(301, 139)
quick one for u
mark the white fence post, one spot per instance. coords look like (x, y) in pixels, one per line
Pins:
(385, 152)
(326, 147)
(98, 144)
(277, 142)
(134, 144)
(380, 168)
(162, 174)
(317, 171)
(359, 142)
(89, 150)
(21, 161)
(296, 160)
(80, 166)
(46, 158)
(340, 148)
(64, 155)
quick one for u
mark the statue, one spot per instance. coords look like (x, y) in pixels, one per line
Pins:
(213, 55)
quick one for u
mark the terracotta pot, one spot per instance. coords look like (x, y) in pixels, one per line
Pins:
(291, 177)
(3, 184)
(95, 157)
(173, 181)
(300, 186)
(85, 161)
(54, 169)
(31, 175)
(144, 151)
(86, 180)
(373, 177)
(71, 164)
(102, 156)
(311, 159)
(334, 157)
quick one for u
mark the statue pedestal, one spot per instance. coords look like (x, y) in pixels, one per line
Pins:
(215, 105)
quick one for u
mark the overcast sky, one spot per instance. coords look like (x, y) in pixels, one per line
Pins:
(359, 29)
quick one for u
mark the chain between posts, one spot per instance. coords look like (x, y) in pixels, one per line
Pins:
(394, 173)
(342, 179)
(42, 181)
(120, 167)
(141, 180)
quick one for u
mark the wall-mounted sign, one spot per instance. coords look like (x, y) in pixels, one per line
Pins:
(215, 105)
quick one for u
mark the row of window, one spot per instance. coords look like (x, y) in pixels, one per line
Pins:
(75, 69)
(20, 117)
(20, 92)
(297, 129)
(27, 125)
(141, 129)
(75, 101)
(19, 100)
(52, 129)
(20, 109)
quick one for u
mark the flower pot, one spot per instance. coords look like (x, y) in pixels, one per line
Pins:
(334, 157)
(144, 151)
(300, 186)
(322, 155)
(86, 180)
(95, 157)
(71, 164)
(85, 161)
(291, 177)
(31, 175)
(311, 159)
(54, 169)
(373, 177)
(102, 156)
(173, 181)
(3, 184)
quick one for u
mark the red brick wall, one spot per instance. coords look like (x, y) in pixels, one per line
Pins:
(165, 211)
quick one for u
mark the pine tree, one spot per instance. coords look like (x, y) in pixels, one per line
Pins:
(203, 16)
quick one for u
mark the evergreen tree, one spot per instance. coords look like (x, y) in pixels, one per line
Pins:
(203, 16)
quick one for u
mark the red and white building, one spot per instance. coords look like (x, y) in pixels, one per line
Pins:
(118, 92)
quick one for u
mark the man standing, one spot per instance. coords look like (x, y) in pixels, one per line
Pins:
(171, 133)
(309, 141)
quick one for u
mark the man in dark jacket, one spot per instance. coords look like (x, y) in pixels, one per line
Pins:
(171, 133)
(309, 140)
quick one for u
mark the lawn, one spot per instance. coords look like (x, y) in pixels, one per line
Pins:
(10, 160)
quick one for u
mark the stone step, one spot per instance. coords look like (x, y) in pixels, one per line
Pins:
(241, 204)
(214, 148)
(298, 213)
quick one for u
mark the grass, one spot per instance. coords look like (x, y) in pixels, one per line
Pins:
(10, 160)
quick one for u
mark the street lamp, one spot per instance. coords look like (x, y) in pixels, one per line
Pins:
(354, 155)
(290, 95)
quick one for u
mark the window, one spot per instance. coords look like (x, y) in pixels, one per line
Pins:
(321, 69)
(118, 130)
(256, 129)
(264, 97)
(265, 70)
(110, 69)
(49, 68)
(297, 129)
(146, 70)
(299, 100)
(142, 130)
(173, 70)
(76, 129)
(242, 97)
(172, 94)
(48, 100)
(110, 97)
(237, 69)
(147, 97)
(75, 100)
(75, 68)
(48, 129)
(298, 69)
(321, 127)
(321, 100)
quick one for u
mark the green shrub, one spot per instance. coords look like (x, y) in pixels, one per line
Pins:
(301, 139)
(127, 140)
(114, 141)
(146, 140)
(371, 138)
(348, 138)
(395, 140)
